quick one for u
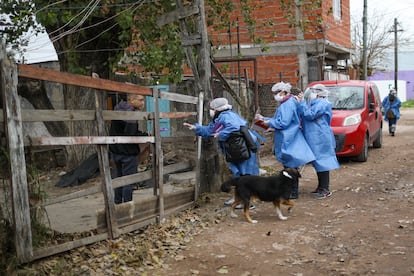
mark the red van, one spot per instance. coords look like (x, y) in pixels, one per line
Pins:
(356, 116)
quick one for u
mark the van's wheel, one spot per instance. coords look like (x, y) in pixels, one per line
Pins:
(363, 156)
(378, 142)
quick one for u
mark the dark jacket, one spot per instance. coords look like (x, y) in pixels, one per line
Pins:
(125, 128)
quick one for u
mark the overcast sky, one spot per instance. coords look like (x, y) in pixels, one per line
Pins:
(403, 10)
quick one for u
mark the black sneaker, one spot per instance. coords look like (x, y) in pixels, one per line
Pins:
(323, 194)
(316, 191)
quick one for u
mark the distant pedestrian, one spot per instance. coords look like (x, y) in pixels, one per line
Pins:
(391, 106)
(316, 114)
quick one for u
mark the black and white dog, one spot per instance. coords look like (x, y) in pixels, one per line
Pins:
(276, 189)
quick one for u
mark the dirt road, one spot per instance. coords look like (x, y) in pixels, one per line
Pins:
(365, 228)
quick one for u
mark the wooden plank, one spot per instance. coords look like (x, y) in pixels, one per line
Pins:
(105, 172)
(74, 195)
(152, 219)
(33, 72)
(175, 115)
(17, 163)
(56, 249)
(133, 178)
(119, 182)
(180, 139)
(135, 211)
(177, 14)
(190, 40)
(226, 84)
(135, 225)
(43, 115)
(178, 97)
(125, 115)
(89, 140)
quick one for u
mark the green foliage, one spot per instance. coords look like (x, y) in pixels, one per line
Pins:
(16, 16)
(157, 49)
(408, 104)
(77, 29)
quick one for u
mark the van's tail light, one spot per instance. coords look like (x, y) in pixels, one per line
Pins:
(352, 120)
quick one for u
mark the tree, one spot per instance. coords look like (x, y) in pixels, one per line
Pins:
(380, 41)
(92, 37)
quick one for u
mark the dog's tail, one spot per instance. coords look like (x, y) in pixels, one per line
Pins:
(226, 186)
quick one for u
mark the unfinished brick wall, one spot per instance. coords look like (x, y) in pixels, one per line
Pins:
(273, 27)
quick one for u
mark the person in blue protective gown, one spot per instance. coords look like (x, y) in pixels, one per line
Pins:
(225, 122)
(391, 106)
(290, 146)
(316, 113)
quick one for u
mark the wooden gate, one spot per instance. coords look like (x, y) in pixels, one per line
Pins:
(112, 220)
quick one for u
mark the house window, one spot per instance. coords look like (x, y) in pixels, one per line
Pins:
(336, 8)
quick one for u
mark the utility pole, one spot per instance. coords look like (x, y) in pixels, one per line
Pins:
(395, 30)
(364, 40)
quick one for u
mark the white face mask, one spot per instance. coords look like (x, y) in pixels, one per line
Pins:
(278, 98)
(212, 113)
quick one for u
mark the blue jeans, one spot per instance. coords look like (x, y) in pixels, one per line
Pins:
(392, 122)
(124, 165)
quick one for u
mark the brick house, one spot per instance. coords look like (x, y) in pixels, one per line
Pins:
(321, 51)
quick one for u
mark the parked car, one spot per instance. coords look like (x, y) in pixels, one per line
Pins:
(356, 117)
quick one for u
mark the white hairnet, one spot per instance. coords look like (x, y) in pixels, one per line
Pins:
(220, 104)
(320, 90)
(281, 86)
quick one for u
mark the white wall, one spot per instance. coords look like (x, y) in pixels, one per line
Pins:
(384, 87)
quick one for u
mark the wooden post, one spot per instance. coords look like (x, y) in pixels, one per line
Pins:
(107, 189)
(159, 161)
(199, 143)
(14, 135)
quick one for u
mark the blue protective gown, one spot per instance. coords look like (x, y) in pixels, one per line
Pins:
(316, 123)
(291, 148)
(394, 105)
(231, 121)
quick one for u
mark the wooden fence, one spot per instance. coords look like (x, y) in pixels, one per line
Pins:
(112, 220)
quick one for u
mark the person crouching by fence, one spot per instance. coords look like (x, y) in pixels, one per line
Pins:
(236, 142)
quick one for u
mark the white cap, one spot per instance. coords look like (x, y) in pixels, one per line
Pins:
(320, 90)
(220, 104)
(281, 86)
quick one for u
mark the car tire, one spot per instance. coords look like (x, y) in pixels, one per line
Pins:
(378, 142)
(363, 156)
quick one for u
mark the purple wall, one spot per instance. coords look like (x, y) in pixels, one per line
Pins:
(408, 76)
